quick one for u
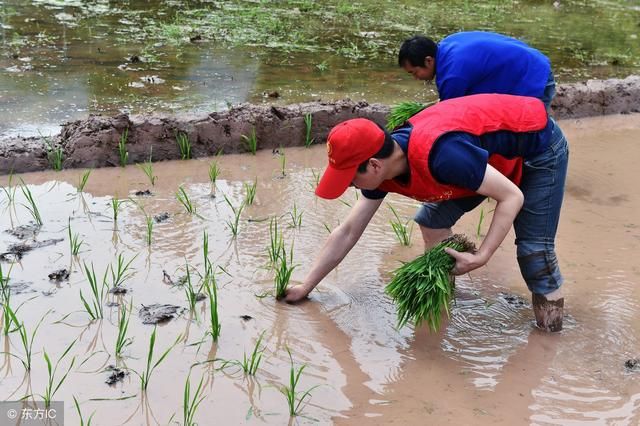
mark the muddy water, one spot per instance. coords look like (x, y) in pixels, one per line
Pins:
(487, 366)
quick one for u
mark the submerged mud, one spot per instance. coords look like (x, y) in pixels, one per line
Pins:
(94, 142)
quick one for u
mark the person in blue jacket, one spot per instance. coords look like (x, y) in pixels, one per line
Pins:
(473, 62)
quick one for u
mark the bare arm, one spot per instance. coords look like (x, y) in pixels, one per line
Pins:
(339, 243)
(509, 200)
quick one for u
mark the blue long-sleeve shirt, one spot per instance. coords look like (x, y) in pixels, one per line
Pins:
(474, 62)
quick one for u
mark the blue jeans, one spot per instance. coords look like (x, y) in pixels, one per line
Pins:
(543, 179)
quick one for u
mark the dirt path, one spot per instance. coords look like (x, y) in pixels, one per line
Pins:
(94, 142)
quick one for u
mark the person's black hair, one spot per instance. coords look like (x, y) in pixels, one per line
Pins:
(384, 152)
(415, 49)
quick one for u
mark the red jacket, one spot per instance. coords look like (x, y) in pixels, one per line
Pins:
(476, 114)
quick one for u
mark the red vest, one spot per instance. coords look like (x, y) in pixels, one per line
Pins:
(476, 114)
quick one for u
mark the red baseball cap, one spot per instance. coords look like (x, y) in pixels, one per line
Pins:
(349, 144)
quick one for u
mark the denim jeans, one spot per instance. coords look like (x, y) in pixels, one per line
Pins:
(543, 180)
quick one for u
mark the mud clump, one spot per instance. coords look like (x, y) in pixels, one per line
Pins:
(115, 375)
(632, 364)
(59, 275)
(159, 313)
(25, 232)
(514, 300)
(18, 250)
(162, 217)
(118, 290)
(145, 193)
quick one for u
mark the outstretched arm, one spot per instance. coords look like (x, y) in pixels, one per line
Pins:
(509, 200)
(339, 243)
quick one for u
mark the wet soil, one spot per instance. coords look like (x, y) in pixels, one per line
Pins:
(93, 142)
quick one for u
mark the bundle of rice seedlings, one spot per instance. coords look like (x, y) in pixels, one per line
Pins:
(423, 288)
(403, 111)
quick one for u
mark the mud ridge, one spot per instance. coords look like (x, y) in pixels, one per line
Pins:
(94, 142)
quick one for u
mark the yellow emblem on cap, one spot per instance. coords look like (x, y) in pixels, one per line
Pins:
(329, 151)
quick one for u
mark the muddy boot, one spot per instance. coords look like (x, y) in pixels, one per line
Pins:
(548, 313)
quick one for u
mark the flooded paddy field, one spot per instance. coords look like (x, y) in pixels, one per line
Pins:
(488, 364)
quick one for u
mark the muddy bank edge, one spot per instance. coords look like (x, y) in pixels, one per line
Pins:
(94, 142)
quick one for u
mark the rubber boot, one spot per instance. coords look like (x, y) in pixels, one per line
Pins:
(548, 313)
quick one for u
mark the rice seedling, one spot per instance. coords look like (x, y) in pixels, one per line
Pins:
(296, 217)
(401, 112)
(150, 366)
(147, 169)
(55, 155)
(234, 224)
(276, 241)
(403, 230)
(82, 182)
(193, 294)
(284, 268)
(316, 179)
(122, 341)
(190, 404)
(5, 294)
(32, 207)
(251, 141)
(423, 287)
(250, 192)
(115, 207)
(249, 364)
(121, 273)
(25, 338)
(183, 198)
(51, 388)
(214, 172)
(77, 405)
(283, 162)
(74, 241)
(122, 148)
(308, 140)
(295, 398)
(10, 190)
(212, 292)
(94, 309)
(479, 228)
(149, 222)
(184, 145)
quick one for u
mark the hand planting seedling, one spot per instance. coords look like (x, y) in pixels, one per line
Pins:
(423, 288)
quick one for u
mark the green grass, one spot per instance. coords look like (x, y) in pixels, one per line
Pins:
(26, 338)
(295, 398)
(183, 198)
(5, 294)
(403, 230)
(122, 148)
(214, 173)
(120, 273)
(82, 182)
(192, 292)
(212, 292)
(276, 242)
(308, 140)
(251, 141)
(184, 145)
(423, 288)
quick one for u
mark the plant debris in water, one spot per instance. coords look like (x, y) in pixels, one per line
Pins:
(161, 217)
(115, 375)
(25, 232)
(423, 288)
(632, 364)
(145, 193)
(19, 249)
(59, 275)
(158, 313)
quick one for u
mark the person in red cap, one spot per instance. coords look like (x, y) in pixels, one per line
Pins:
(451, 156)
